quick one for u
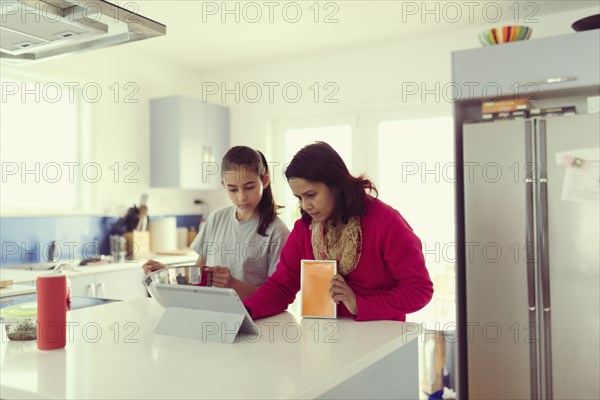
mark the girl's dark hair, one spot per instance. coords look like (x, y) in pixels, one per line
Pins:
(319, 162)
(253, 160)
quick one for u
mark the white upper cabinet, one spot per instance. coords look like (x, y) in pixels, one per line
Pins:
(188, 140)
(524, 69)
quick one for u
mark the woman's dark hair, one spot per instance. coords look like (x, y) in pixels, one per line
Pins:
(253, 160)
(319, 162)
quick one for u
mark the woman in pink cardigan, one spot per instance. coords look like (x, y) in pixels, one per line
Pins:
(381, 268)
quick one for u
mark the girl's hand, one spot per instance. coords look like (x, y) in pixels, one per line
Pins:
(340, 291)
(151, 266)
(220, 276)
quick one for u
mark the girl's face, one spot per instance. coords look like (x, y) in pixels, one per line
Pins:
(315, 198)
(245, 189)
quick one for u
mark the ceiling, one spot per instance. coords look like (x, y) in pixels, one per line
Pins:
(203, 36)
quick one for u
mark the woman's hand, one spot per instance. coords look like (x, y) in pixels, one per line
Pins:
(151, 266)
(341, 292)
(220, 276)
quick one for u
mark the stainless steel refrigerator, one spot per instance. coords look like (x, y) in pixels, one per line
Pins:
(531, 231)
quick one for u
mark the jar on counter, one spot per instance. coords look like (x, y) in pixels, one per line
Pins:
(20, 321)
(118, 248)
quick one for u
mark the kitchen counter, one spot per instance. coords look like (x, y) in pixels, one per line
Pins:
(112, 352)
(18, 276)
(20, 273)
(16, 290)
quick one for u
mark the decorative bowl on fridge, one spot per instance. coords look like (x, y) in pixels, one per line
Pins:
(505, 34)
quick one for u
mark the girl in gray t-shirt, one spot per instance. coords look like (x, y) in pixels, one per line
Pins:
(240, 244)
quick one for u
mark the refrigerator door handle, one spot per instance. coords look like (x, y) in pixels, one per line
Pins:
(557, 79)
(530, 178)
(542, 215)
(543, 253)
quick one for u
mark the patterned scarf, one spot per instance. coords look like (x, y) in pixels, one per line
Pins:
(342, 243)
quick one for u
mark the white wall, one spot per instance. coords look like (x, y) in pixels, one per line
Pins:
(370, 80)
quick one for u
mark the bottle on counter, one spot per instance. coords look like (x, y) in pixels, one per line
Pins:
(182, 237)
(118, 248)
(51, 311)
(192, 235)
(52, 252)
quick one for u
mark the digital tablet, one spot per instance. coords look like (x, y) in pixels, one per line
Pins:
(221, 300)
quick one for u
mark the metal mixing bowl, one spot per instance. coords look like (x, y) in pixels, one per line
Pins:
(179, 275)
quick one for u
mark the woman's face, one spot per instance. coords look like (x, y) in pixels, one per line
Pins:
(245, 189)
(315, 198)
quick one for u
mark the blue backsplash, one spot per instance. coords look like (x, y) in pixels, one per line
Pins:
(26, 239)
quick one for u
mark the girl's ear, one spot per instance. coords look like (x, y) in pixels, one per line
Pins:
(223, 183)
(266, 180)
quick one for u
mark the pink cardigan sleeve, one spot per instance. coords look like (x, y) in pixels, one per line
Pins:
(280, 289)
(412, 288)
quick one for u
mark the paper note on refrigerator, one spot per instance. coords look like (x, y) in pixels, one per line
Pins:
(582, 174)
(315, 278)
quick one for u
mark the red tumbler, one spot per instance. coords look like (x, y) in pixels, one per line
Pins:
(204, 277)
(51, 311)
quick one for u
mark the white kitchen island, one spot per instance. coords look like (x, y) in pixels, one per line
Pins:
(112, 352)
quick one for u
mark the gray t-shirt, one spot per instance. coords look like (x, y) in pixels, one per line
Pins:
(226, 241)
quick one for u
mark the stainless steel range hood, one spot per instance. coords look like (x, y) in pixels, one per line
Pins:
(34, 30)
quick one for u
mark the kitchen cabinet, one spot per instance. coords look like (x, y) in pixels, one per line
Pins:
(83, 285)
(123, 284)
(527, 68)
(188, 140)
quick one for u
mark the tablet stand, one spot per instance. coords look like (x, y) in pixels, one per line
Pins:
(200, 324)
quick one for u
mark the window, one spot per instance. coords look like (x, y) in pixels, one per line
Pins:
(339, 137)
(40, 147)
(416, 171)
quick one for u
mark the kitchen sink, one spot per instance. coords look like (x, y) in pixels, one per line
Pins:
(42, 266)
